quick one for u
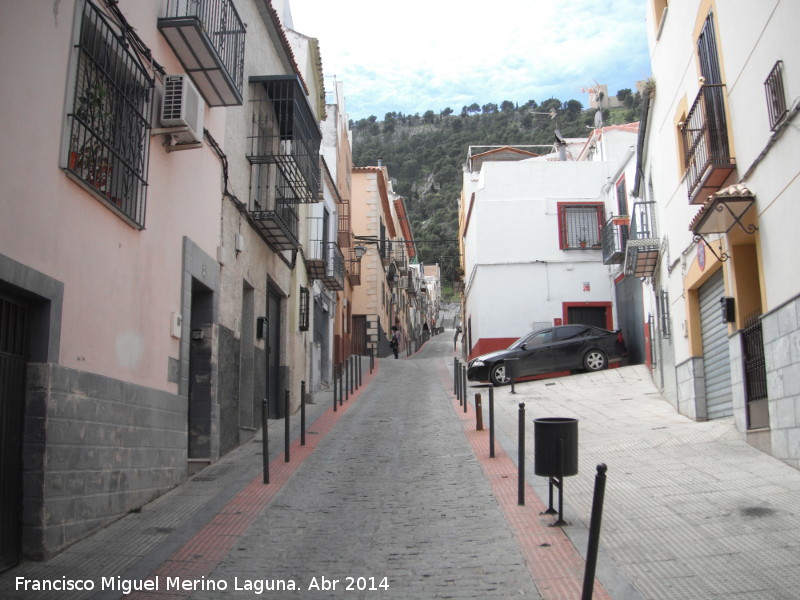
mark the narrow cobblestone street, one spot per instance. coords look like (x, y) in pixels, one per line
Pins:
(394, 496)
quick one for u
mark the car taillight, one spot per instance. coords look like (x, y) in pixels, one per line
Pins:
(620, 339)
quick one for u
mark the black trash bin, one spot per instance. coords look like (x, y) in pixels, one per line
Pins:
(548, 434)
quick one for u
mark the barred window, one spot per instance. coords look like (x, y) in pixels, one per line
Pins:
(108, 126)
(662, 310)
(305, 298)
(580, 224)
(622, 196)
(776, 96)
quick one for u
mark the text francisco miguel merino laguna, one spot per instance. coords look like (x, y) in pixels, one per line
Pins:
(157, 583)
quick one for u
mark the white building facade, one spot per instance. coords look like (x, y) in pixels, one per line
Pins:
(531, 232)
(719, 146)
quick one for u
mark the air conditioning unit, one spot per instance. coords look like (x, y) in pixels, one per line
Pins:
(182, 107)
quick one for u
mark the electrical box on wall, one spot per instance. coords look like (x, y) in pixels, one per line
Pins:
(175, 324)
(728, 309)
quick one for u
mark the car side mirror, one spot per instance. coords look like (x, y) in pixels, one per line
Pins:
(524, 346)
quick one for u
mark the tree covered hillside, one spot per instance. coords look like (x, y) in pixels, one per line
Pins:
(425, 155)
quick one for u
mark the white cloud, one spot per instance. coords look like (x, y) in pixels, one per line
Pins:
(431, 54)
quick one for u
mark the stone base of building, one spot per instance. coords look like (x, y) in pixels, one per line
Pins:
(94, 449)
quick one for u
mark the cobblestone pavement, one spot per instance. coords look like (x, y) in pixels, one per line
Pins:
(393, 504)
(394, 496)
(691, 510)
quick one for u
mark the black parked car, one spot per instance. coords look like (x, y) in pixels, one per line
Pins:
(560, 348)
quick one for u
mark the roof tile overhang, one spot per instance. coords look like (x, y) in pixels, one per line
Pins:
(723, 210)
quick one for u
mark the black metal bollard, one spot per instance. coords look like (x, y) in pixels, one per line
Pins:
(511, 371)
(302, 413)
(347, 379)
(335, 377)
(352, 367)
(358, 362)
(371, 360)
(455, 378)
(464, 368)
(265, 438)
(341, 383)
(464, 385)
(478, 413)
(594, 531)
(286, 426)
(521, 467)
(491, 421)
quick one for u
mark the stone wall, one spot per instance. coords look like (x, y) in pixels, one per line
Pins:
(94, 449)
(781, 330)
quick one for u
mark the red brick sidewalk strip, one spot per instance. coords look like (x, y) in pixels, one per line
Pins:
(553, 561)
(211, 544)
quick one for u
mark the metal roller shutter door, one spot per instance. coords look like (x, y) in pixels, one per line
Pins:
(716, 357)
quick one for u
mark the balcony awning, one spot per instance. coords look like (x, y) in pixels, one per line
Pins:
(723, 210)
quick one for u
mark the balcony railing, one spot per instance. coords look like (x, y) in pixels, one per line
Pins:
(285, 134)
(642, 249)
(344, 230)
(325, 261)
(353, 268)
(207, 36)
(273, 215)
(614, 236)
(707, 155)
(398, 254)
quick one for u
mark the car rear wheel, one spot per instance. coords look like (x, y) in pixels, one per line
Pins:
(595, 360)
(498, 374)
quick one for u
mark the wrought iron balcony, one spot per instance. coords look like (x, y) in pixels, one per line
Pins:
(274, 216)
(353, 267)
(285, 135)
(707, 155)
(207, 36)
(614, 237)
(412, 284)
(398, 253)
(325, 261)
(642, 250)
(344, 232)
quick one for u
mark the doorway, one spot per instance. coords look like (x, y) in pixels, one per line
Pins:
(200, 371)
(14, 333)
(584, 314)
(274, 354)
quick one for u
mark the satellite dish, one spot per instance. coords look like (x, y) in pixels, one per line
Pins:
(598, 119)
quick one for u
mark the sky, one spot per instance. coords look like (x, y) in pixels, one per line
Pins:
(411, 56)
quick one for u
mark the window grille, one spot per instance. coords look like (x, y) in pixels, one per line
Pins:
(305, 298)
(662, 307)
(580, 225)
(776, 96)
(109, 127)
(622, 197)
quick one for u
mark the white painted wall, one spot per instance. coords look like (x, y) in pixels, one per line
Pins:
(517, 276)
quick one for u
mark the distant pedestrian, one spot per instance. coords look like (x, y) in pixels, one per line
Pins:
(455, 337)
(394, 340)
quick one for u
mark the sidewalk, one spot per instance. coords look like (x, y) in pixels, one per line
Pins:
(134, 546)
(691, 510)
